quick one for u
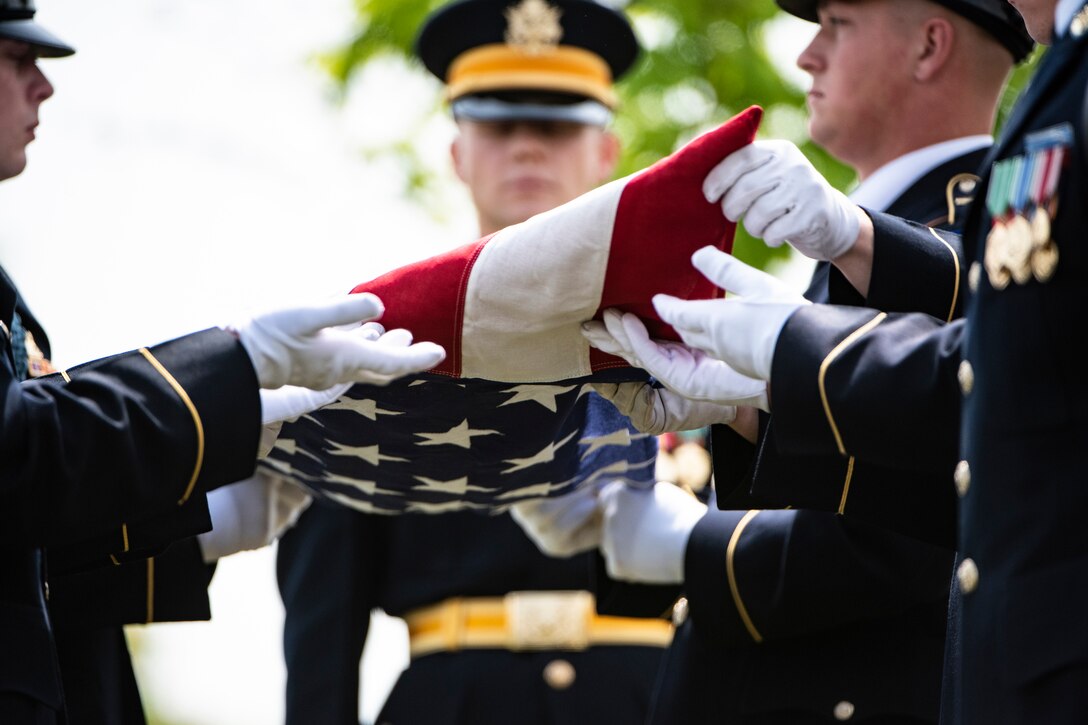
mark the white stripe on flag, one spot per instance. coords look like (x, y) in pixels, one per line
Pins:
(554, 264)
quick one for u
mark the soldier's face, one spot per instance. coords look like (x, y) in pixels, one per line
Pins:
(515, 169)
(859, 65)
(23, 87)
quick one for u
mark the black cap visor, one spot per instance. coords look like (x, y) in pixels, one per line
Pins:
(484, 108)
(27, 31)
(804, 9)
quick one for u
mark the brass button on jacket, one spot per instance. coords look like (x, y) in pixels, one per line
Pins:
(966, 376)
(974, 273)
(962, 477)
(559, 674)
(967, 576)
(680, 611)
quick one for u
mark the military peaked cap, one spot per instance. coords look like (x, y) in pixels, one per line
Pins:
(996, 17)
(17, 23)
(544, 59)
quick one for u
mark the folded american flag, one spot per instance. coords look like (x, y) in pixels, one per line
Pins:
(509, 415)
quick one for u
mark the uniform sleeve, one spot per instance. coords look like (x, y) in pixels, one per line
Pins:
(117, 440)
(915, 269)
(169, 587)
(858, 382)
(756, 576)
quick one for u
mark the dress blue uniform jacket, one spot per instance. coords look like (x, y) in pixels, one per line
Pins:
(1004, 391)
(801, 616)
(106, 462)
(335, 565)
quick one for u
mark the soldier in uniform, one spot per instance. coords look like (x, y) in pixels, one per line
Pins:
(499, 633)
(803, 616)
(109, 462)
(995, 400)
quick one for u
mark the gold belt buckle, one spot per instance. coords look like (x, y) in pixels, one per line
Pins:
(549, 620)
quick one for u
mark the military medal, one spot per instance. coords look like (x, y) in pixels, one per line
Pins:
(1043, 262)
(1040, 227)
(996, 255)
(1022, 201)
(994, 260)
(1018, 249)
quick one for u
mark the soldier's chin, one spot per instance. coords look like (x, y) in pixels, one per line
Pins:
(526, 206)
(12, 165)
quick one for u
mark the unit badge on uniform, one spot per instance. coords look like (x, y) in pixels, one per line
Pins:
(37, 363)
(1022, 200)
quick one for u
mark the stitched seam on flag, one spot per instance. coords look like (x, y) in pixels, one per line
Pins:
(462, 298)
(846, 484)
(731, 574)
(956, 285)
(826, 364)
(192, 411)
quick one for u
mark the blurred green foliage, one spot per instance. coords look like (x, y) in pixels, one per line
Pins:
(703, 61)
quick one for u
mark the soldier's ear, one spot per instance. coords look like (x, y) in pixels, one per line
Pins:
(937, 39)
(609, 155)
(457, 157)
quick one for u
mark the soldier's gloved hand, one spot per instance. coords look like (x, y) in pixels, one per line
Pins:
(251, 513)
(645, 532)
(712, 387)
(741, 331)
(563, 525)
(291, 401)
(311, 346)
(782, 198)
(656, 410)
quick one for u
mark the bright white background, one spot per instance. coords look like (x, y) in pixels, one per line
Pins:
(194, 167)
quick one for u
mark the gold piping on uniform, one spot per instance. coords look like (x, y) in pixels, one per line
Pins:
(192, 411)
(956, 265)
(732, 575)
(64, 374)
(124, 536)
(827, 363)
(150, 590)
(950, 199)
(846, 484)
(114, 560)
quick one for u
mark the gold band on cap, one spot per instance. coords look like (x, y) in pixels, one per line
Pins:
(498, 66)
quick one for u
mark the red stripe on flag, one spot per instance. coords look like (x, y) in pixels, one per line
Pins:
(418, 297)
(662, 219)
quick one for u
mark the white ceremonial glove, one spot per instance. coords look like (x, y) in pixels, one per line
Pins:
(657, 410)
(310, 347)
(743, 331)
(251, 513)
(291, 401)
(782, 198)
(563, 525)
(645, 531)
(712, 387)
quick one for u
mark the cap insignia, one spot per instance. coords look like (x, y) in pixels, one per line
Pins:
(532, 26)
(1080, 23)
